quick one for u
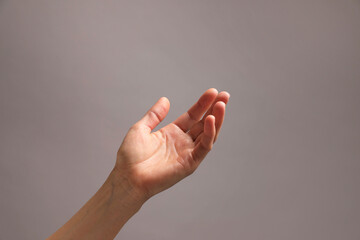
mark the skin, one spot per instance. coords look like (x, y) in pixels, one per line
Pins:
(148, 163)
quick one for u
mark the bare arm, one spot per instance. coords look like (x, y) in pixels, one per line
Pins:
(148, 163)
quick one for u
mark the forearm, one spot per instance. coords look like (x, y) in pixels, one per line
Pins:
(105, 213)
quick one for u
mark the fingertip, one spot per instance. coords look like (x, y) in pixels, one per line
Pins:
(223, 96)
(165, 99)
(220, 105)
(210, 118)
(213, 125)
(227, 93)
(214, 90)
(165, 102)
(209, 125)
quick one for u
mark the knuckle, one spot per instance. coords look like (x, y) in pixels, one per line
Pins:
(207, 147)
(134, 127)
(191, 170)
(191, 116)
(155, 115)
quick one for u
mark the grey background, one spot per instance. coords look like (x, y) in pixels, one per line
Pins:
(75, 75)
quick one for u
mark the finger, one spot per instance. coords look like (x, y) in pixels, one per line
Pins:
(222, 96)
(155, 114)
(197, 128)
(207, 140)
(219, 113)
(194, 114)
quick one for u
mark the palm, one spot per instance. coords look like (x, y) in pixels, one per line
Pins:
(157, 160)
(174, 149)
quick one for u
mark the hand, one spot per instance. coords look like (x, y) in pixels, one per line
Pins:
(154, 161)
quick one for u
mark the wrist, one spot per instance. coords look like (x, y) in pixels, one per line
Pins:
(120, 183)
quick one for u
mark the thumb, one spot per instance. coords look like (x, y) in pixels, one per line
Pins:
(155, 114)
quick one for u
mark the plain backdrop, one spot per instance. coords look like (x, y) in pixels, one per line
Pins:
(75, 75)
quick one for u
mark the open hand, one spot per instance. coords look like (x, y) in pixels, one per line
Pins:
(154, 161)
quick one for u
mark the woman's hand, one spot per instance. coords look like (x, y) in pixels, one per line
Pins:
(148, 163)
(154, 161)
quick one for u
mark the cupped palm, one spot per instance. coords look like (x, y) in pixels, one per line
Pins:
(154, 161)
